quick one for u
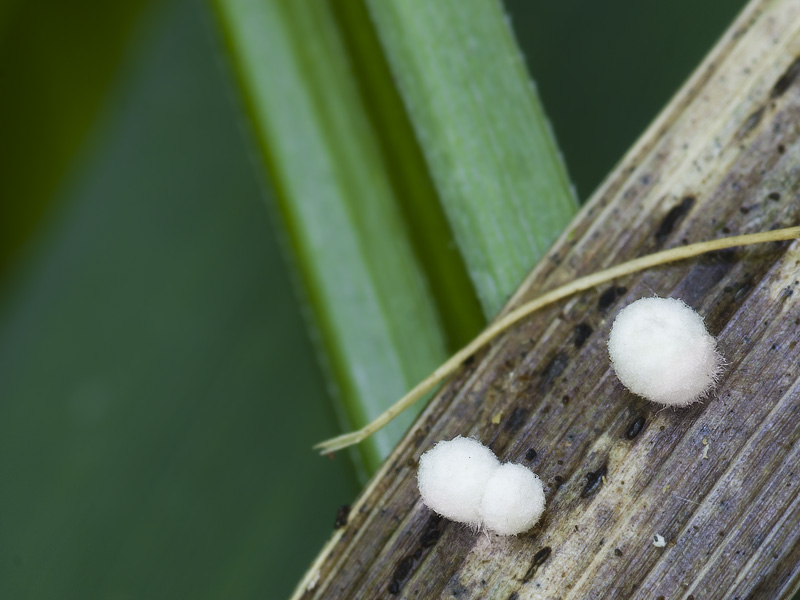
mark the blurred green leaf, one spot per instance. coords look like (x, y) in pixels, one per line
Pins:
(57, 62)
(159, 393)
(486, 140)
(376, 316)
(333, 132)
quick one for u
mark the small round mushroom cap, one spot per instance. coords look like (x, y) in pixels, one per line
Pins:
(452, 477)
(513, 501)
(660, 349)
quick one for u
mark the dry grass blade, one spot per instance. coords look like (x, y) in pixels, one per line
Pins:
(717, 480)
(515, 316)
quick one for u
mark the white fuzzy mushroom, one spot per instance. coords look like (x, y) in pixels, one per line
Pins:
(660, 349)
(452, 478)
(513, 501)
(462, 480)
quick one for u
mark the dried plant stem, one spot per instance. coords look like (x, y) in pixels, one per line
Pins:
(578, 285)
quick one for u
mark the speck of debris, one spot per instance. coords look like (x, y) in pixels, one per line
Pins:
(659, 541)
(497, 417)
(705, 449)
(635, 428)
(559, 481)
(313, 582)
(617, 552)
(530, 454)
(341, 516)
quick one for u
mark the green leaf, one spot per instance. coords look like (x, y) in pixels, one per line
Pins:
(56, 66)
(483, 132)
(158, 392)
(372, 305)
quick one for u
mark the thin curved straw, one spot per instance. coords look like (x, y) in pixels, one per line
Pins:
(577, 285)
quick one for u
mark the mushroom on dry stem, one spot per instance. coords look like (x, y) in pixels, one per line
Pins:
(660, 350)
(518, 314)
(461, 479)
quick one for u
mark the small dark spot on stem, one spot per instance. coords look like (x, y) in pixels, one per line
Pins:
(516, 419)
(672, 218)
(774, 196)
(553, 369)
(538, 560)
(513, 596)
(432, 532)
(743, 288)
(341, 516)
(617, 552)
(582, 333)
(400, 573)
(469, 360)
(750, 123)
(781, 149)
(593, 481)
(559, 481)
(564, 400)
(635, 428)
(744, 209)
(607, 298)
(530, 454)
(786, 80)
(726, 230)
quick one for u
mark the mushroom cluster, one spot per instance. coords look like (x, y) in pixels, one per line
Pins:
(659, 348)
(463, 480)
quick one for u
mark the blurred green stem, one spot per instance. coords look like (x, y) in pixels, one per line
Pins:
(486, 140)
(376, 318)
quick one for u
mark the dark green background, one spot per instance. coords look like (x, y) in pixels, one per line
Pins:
(158, 392)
